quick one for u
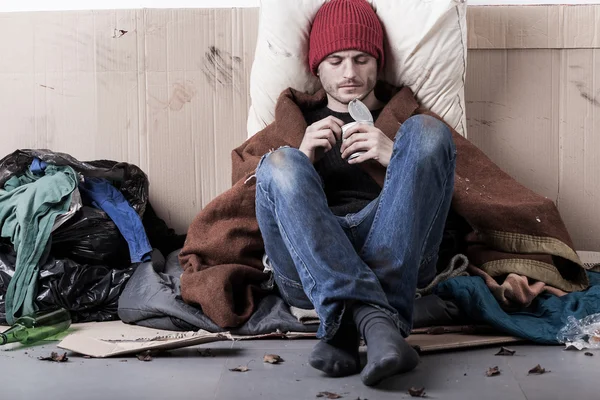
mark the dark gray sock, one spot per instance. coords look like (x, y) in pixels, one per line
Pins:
(388, 353)
(339, 356)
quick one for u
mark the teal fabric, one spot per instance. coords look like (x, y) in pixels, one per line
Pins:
(540, 322)
(29, 205)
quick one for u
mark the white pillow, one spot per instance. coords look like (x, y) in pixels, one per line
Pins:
(426, 50)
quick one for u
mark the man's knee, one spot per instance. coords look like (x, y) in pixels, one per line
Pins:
(432, 137)
(282, 167)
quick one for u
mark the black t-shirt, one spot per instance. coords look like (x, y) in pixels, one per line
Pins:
(347, 186)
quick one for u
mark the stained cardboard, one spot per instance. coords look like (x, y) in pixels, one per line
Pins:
(115, 338)
(457, 341)
(164, 89)
(534, 27)
(511, 117)
(168, 91)
(533, 104)
(109, 339)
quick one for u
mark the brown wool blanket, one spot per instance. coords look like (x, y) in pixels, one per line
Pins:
(515, 232)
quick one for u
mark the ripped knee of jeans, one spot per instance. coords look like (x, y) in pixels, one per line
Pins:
(262, 159)
(267, 154)
(275, 160)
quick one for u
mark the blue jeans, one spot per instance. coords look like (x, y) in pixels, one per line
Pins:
(377, 256)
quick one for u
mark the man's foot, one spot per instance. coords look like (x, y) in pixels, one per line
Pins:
(339, 356)
(388, 353)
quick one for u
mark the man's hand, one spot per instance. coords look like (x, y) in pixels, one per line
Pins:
(320, 137)
(367, 138)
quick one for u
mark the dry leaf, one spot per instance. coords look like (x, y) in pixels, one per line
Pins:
(589, 354)
(329, 395)
(414, 392)
(493, 371)
(145, 356)
(538, 370)
(55, 357)
(206, 353)
(505, 352)
(272, 359)
(241, 368)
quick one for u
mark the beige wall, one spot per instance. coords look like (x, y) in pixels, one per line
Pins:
(171, 95)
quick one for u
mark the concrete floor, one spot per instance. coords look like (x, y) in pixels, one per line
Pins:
(186, 374)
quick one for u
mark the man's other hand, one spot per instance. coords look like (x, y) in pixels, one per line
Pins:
(320, 137)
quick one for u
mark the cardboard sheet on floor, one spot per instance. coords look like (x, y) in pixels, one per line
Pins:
(457, 341)
(108, 339)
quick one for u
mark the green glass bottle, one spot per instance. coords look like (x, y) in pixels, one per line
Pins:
(31, 329)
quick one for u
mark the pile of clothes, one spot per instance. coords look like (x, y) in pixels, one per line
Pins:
(72, 233)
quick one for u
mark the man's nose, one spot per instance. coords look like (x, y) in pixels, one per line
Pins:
(349, 69)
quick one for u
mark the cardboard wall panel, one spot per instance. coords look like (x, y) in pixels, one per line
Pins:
(164, 89)
(510, 112)
(17, 101)
(116, 66)
(170, 96)
(534, 27)
(197, 71)
(579, 120)
(78, 85)
(17, 107)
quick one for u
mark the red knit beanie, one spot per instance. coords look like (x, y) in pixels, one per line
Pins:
(345, 25)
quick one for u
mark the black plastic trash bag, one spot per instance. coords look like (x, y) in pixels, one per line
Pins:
(91, 237)
(89, 262)
(128, 178)
(89, 292)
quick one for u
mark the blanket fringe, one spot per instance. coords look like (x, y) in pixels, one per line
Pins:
(457, 267)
